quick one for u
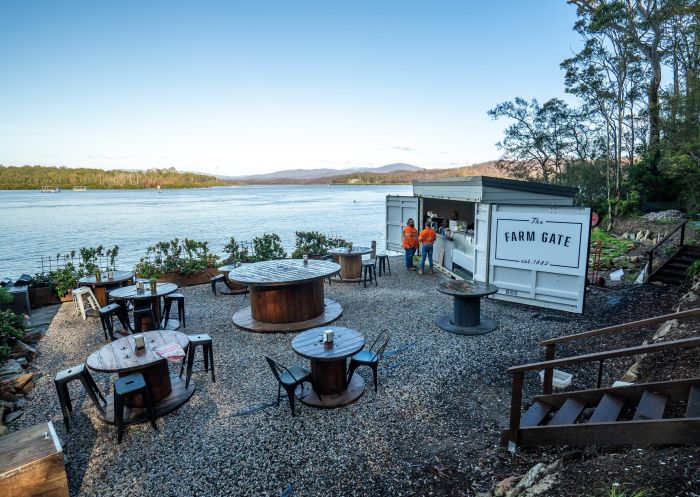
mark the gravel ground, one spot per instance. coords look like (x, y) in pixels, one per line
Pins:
(431, 429)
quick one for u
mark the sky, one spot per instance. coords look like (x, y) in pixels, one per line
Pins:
(234, 88)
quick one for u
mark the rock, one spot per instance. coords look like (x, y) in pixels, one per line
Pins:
(626, 235)
(20, 382)
(541, 487)
(537, 472)
(32, 336)
(22, 349)
(20, 403)
(28, 387)
(23, 362)
(639, 236)
(483, 494)
(665, 329)
(647, 234)
(504, 485)
(10, 368)
(13, 416)
(3, 430)
(632, 373)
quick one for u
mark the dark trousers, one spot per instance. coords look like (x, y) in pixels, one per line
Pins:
(410, 252)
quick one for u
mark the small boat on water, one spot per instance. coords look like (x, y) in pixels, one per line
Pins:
(80, 188)
(50, 189)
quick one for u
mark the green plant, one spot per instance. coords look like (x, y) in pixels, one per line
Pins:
(43, 280)
(616, 491)
(12, 327)
(176, 256)
(693, 270)
(65, 279)
(268, 247)
(315, 243)
(612, 246)
(5, 296)
(236, 252)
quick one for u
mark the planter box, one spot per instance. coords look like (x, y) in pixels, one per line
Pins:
(67, 297)
(181, 280)
(43, 296)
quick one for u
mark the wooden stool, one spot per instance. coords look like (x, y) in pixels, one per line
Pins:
(368, 269)
(141, 313)
(382, 262)
(180, 299)
(78, 302)
(107, 314)
(130, 385)
(207, 348)
(79, 372)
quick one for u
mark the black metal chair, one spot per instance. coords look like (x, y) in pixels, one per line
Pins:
(168, 301)
(79, 372)
(107, 314)
(289, 379)
(124, 387)
(370, 357)
(382, 263)
(368, 270)
(206, 343)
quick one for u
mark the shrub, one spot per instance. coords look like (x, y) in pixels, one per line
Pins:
(176, 256)
(268, 247)
(65, 279)
(236, 252)
(315, 243)
(12, 327)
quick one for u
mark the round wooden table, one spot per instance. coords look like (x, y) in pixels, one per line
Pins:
(466, 317)
(162, 289)
(329, 367)
(350, 262)
(122, 358)
(285, 295)
(99, 288)
(235, 288)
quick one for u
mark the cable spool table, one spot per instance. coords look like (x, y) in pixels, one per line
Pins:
(99, 288)
(466, 317)
(350, 262)
(286, 295)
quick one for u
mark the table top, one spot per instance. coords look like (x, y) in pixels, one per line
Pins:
(283, 272)
(346, 342)
(122, 356)
(119, 276)
(131, 292)
(355, 251)
(465, 288)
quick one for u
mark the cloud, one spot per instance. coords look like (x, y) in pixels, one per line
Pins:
(404, 149)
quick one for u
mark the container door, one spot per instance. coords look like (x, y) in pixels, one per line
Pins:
(398, 210)
(481, 241)
(539, 255)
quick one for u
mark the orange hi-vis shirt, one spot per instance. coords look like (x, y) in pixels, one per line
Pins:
(410, 237)
(427, 236)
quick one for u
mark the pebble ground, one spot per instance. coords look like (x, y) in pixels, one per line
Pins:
(442, 401)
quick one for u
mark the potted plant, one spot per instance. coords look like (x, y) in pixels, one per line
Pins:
(183, 262)
(64, 280)
(153, 282)
(41, 290)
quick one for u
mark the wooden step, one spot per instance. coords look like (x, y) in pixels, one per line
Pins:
(693, 410)
(534, 416)
(608, 409)
(677, 265)
(675, 272)
(651, 406)
(568, 412)
(669, 280)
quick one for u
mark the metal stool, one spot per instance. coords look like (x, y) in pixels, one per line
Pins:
(368, 270)
(219, 278)
(382, 263)
(146, 312)
(124, 387)
(107, 314)
(207, 348)
(61, 381)
(180, 299)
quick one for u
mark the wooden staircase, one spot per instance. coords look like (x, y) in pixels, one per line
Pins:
(673, 271)
(665, 412)
(615, 416)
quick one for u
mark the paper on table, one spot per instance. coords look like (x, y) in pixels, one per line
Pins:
(171, 351)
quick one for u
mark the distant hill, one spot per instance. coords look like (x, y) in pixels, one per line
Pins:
(311, 174)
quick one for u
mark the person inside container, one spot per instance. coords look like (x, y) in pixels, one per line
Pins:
(427, 239)
(409, 242)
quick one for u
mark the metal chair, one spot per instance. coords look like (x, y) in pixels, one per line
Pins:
(370, 357)
(289, 378)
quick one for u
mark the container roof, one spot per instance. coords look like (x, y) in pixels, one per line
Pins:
(506, 184)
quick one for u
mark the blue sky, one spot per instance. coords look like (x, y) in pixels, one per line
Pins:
(244, 87)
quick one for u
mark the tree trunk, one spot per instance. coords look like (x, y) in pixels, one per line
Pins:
(654, 119)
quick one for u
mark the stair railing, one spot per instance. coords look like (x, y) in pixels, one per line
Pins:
(650, 252)
(551, 344)
(518, 373)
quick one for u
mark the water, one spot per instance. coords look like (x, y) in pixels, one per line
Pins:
(35, 224)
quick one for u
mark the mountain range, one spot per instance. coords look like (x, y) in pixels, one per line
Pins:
(311, 174)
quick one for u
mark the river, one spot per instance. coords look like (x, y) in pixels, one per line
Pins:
(35, 225)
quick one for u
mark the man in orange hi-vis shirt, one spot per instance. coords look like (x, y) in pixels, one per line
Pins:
(427, 238)
(409, 242)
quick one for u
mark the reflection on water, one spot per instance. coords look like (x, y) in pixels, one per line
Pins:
(35, 224)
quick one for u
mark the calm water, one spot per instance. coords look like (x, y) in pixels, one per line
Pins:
(35, 224)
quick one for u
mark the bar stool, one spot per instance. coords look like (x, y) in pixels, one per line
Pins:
(79, 372)
(219, 278)
(368, 271)
(382, 263)
(168, 300)
(207, 348)
(124, 387)
(79, 304)
(145, 312)
(107, 314)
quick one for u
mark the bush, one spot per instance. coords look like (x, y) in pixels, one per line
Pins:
(65, 279)
(176, 256)
(12, 327)
(236, 253)
(268, 247)
(315, 243)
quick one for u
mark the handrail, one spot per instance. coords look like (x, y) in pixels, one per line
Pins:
(650, 252)
(622, 327)
(680, 225)
(609, 354)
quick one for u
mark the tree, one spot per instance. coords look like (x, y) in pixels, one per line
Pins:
(537, 143)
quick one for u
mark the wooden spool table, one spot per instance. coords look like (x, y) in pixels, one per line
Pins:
(286, 295)
(121, 357)
(99, 288)
(466, 317)
(329, 367)
(234, 288)
(162, 289)
(350, 262)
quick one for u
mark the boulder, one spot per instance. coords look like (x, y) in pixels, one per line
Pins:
(21, 349)
(13, 416)
(665, 329)
(503, 486)
(10, 368)
(632, 373)
(639, 236)
(536, 473)
(20, 382)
